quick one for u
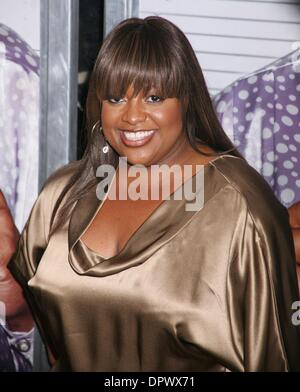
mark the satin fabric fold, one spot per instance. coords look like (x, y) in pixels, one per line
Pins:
(164, 222)
(209, 290)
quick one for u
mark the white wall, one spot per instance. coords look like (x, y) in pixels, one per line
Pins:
(232, 37)
(23, 16)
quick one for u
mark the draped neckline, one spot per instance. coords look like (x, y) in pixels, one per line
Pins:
(164, 222)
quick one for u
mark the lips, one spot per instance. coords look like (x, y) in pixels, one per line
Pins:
(136, 138)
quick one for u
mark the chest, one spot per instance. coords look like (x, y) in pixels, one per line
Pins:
(115, 223)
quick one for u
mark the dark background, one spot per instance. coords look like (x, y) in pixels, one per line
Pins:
(91, 16)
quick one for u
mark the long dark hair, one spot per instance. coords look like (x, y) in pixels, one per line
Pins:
(145, 53)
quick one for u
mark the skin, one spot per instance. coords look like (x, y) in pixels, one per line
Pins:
(18, 315)
(117, 220)
(169, 144)
(294, 215)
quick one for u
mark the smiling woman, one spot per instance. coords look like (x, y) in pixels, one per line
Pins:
(126, 284)
(150, 123)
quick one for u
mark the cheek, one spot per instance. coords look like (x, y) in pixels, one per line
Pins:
(169, 117)
(108, 116)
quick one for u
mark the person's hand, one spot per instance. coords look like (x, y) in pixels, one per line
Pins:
(18, 316)
(294, 215)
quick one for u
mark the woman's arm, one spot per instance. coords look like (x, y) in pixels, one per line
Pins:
(18, 316)
(262, 290)
(33, 243)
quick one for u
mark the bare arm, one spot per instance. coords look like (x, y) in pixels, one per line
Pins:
(18, 315)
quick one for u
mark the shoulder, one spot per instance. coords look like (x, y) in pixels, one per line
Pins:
(259, 199)
(58, 179)
(57, 183)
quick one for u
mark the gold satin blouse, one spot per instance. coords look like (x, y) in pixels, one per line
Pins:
(207, 290)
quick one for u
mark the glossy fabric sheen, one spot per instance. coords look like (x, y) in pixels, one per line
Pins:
(209, 290)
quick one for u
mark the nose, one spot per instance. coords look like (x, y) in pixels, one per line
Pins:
(134, 111)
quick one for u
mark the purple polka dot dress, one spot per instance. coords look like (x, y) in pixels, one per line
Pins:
(261, 114)
(19, 131)
(19, 123)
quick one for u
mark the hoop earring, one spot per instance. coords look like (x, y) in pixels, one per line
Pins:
(106, 146)
(95, 126)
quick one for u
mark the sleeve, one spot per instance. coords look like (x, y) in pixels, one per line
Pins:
(31, 247)
(32, 244)
(35, 235)
(261, 290)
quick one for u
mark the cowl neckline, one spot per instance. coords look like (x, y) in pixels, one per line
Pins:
(166, 220)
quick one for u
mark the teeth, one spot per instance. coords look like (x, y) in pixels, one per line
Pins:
(140, 135)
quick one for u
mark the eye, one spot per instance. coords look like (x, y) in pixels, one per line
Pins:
(154, 99)
(115, 100)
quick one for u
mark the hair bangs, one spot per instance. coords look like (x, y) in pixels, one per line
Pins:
(142, 61)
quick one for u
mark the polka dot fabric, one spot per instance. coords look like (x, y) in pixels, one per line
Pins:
(18, 51)
(19, 124)
(261, 115)
(19, 131)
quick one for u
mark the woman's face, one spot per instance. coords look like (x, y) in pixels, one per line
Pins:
(145, 129)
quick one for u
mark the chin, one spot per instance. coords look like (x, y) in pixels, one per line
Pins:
(138, 161)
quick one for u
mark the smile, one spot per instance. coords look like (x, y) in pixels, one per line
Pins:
(137, 138)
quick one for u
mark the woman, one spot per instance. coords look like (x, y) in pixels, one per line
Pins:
(151, 284)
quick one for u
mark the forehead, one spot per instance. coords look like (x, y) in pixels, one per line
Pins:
(132, 92)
